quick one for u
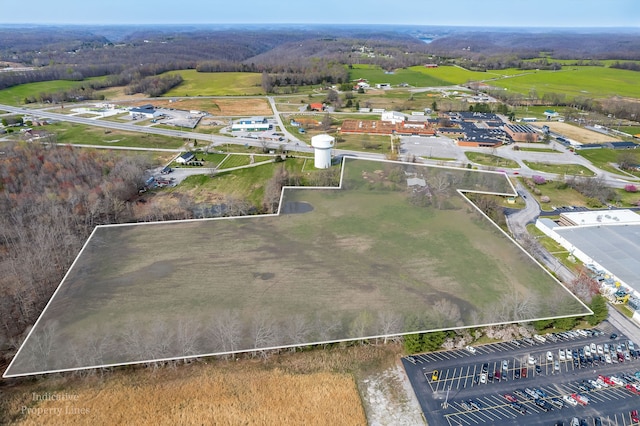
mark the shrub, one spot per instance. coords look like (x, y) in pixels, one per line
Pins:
(593, 202)
(631, 188)
(545, 199)
(539, 180)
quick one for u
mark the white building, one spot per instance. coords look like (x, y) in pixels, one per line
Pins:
(251, 124)
(146, 111)
(322, 145)
(393, 117)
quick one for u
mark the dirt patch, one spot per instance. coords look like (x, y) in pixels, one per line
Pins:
(213, 106)
(389, 399)
(577, 133)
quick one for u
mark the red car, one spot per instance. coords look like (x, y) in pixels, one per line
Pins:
(634, 416)
(523, 373)
(633, 389)
(582, 400)
(607, 380)
(510, 397)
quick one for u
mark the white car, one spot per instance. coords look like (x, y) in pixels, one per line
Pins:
(539, 338)
(561, 355)
(471, 349)
(569, 400)
(549, 356)
(600, 350)
(607, 358)
(593, 349)
(483, 378)
(602, 383)
(556, 365)
(618, 381)
(587, 351)
(595, 384)
(532, 360)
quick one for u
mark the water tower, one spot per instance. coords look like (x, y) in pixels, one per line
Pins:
(322, 145)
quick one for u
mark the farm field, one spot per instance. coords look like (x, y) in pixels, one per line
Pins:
(286, 389)
(373, 258)
(214, 106)
(412, 76)
(216, 84)
(595, 82)
(15, 95)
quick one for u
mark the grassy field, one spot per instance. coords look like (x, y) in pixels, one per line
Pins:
(596, 82)
(365, 143)
(490, 160)
(288, 389)
(216, 84)
(603, 159)
(338, 264)
(529, 149)
(632, 130)
(15, 95)
(411, 76)
(87, 135)
(559, 197)
(567, 169)
(246, 183)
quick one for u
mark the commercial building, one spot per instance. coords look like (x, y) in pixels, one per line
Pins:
(607, 241)
(251, 124)
(521, 133)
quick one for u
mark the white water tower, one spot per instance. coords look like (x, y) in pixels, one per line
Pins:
(322, 145)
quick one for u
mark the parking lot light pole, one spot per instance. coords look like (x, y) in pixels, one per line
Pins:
(445, 405)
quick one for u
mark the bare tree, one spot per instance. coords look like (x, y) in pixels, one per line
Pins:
(263, 332)
(389, 323)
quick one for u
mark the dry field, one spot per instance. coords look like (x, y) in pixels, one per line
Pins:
(214, 106)
(312, 388)
(577, 133)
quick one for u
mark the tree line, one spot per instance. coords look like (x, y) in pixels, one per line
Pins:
(51, 198)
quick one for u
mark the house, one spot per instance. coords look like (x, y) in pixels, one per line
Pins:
(316, 106)
(146, 111)
(383, 86)
(185, 158)
(551, 114)
(251, 124)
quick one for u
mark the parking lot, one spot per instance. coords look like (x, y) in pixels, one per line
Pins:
(467, 387)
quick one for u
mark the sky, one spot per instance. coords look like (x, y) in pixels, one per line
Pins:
(510, 13)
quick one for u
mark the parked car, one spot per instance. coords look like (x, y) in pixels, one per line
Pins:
(531, 360)
(471, 349)
(538, 369)
(474, 404)
(519, 407)
(549, 356)
(434, 376)
(556, 402)
(561, 355)
(510, 397)
(633, 389)
(466, 406)
(483, 378)
(523, 372)
(582, 400)
(539, 338)
(634, 416)
(570, 400)
(556, 365)
(505, 365)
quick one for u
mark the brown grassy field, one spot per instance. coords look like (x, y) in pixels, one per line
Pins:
(317, 387)
(577, 133)
(215, 106)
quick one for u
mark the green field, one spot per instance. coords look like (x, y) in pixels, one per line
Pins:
(87, 135)
(567, 169)
(412, 76)
(216, 84)
(491, 160)
(604, 158)
(593, 82)
(374, 258)
(15, 95)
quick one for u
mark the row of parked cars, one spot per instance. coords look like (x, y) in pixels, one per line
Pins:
(601, 353)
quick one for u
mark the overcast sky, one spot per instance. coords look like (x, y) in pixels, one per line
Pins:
(518, 13)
